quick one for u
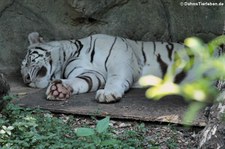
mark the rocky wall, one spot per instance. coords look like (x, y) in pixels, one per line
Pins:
(136, 19)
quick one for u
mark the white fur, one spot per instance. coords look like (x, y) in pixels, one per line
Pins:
(116, 62)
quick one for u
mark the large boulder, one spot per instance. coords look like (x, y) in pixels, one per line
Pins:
(135, 19)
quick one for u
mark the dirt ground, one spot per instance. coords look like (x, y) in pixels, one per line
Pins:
(163, 135)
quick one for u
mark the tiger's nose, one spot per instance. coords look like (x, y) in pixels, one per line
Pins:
(27, 79)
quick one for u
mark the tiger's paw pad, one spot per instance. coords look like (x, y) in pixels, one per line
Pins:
(58, 91)
(107, 97)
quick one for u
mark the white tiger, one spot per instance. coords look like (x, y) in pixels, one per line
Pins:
(106, 64)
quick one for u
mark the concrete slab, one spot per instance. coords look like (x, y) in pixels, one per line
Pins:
(134, 106)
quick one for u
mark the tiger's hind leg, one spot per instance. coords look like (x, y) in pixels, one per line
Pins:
(116, 86)
(121, 74)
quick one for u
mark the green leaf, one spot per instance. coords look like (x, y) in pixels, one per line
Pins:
(83, 132)
(162, 90)
(110, 142)
(212, 45)
(192, 112)
(196, 46)
(90, 146)
(96, 140)
(199, 90)
(102, 125)
(7, 98)
(149, 80)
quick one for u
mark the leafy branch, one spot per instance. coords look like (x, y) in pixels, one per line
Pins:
(201, 61)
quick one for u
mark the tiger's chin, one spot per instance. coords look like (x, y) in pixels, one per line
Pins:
(41, 84)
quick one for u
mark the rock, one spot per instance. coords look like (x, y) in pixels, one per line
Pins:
(135, 19)
(213, 135)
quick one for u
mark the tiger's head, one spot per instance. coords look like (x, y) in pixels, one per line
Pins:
(36, 66)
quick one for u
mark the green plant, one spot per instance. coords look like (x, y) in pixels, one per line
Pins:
(34, 128)
(98, 136)
(209, 68)
(132, 136)
(102, 137)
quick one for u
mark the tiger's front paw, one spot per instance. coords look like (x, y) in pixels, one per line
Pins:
(58, 91)
(108, 97)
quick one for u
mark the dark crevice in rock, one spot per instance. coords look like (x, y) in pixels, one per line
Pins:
(167, 19)
(87, 11)
(94, 17)
(110, 7)
(87, 20)
(4, 89)
(6, 7)
(207, 33)
(4, 86)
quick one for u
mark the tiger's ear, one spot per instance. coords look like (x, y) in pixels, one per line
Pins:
(34, 37)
